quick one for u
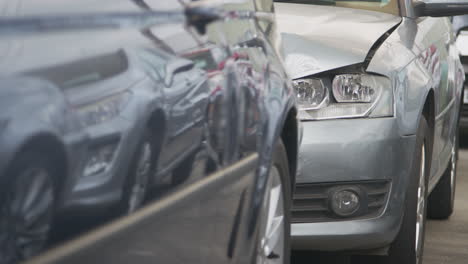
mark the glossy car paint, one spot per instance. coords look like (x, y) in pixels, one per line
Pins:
(218, 123)
(338, 45)
(421, 60)
(460, 24)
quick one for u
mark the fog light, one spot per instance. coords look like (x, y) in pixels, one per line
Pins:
(345, 202)
(99, 160)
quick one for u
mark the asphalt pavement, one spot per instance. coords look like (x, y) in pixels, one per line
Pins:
(446, 241)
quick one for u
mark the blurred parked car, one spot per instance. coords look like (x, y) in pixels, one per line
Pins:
(382, 82)
(105, 105)
(460, 27)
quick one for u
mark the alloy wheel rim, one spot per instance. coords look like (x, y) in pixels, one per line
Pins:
(271, 242)
(453, 168)
(421, 205)
(142, 174)
(30, 214)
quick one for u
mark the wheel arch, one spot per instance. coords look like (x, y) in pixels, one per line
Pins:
(289, 135)
(428, 112)
(51, 145)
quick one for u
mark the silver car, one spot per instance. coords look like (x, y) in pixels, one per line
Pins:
(460, 27)
(379, 85)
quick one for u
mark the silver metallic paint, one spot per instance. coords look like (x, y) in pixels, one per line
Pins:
(381, 148)
(321, 38)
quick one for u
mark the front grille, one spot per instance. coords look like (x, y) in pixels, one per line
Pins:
(464, 110)
(310, 203)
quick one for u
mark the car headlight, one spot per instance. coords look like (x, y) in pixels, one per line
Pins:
(102, 110)
(344, 96)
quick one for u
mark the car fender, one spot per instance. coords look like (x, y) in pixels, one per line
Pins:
(42, 106)
(397, 58)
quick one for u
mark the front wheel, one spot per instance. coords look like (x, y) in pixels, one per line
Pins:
(408, 246)
(27, 209)
(442, 198)
(138, 180)
(273, 243)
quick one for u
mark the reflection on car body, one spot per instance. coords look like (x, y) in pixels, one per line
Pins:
(112, 109)
(136, 138)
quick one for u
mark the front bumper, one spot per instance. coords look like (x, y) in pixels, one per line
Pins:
(101, 190)
(354, 150)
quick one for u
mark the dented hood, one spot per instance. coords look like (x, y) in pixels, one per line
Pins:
(319, 38)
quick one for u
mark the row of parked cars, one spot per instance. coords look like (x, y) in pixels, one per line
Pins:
(226, 131)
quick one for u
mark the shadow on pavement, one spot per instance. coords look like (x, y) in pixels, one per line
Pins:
(463, 140)
(303, 257)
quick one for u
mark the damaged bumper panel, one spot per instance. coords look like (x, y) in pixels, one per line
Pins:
(365, 158)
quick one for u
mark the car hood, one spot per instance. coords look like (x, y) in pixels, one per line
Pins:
(319, 38)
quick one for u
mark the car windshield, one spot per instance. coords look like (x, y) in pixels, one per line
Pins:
(386, 6)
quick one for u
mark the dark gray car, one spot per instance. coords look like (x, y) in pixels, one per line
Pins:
(107, 105)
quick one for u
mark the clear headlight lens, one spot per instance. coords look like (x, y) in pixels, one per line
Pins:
(349, 88)
(103, 110)
(347, 96)
(311, 93)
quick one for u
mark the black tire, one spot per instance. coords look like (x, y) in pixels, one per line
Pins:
(182, 172)
(280, 161)
(403, 249)
(442, 198)
(32, 176)
(127, 205)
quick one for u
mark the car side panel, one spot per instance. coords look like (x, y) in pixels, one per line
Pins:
(207, 225)
(188, 226)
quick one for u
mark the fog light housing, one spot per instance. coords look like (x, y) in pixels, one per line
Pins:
(345, 202)
(100, 159)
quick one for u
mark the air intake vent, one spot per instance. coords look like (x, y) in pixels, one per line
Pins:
(311, 201)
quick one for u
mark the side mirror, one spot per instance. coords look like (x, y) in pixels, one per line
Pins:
(176, 66)
(440, 9)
